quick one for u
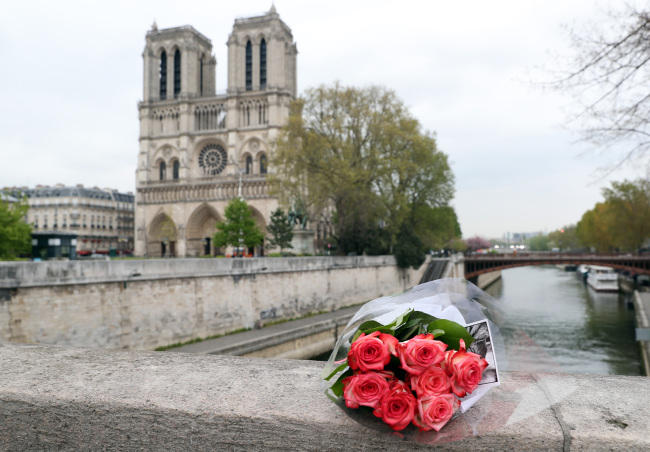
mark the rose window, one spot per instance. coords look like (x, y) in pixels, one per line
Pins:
(213, 159)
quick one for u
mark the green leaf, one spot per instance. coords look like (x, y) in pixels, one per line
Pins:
(453, 333)
(370, 325)
(337, 388)
(401, 319)
(423, 317)
(437, 333)
(407, 334)
(337, 370)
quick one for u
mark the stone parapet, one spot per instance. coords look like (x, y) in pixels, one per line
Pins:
(53, 273)
(54, 398)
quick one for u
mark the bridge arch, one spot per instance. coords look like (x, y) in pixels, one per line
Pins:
(478, 265)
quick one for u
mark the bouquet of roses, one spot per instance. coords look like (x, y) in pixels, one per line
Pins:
(416, 367)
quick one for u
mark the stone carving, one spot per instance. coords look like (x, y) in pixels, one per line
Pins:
(299, 214)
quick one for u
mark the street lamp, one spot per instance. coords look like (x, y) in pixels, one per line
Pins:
(240, 248)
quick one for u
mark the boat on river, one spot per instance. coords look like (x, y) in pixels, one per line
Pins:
(602, 279)
(582, 271)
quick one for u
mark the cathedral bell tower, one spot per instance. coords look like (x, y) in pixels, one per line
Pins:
(199, 149)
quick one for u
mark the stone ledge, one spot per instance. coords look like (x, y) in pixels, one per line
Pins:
(15, 275)
(90, 399)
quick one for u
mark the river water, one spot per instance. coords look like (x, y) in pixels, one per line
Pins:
(555, 322)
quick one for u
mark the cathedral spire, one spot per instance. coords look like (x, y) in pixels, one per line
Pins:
(272, 10)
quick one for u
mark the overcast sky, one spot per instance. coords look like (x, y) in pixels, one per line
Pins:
(71, 78)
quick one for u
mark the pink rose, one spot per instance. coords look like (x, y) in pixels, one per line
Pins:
(432, 382)
(421, 352)
(397, 408)
(372, 352)
(366, 389)
(433, 412)
(465, 369)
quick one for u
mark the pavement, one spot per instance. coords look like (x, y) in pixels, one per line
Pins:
(250, 341)
(58, 398)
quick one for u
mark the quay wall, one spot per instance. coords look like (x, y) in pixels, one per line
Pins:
(642, 311)
(144, 304)
(55, 398)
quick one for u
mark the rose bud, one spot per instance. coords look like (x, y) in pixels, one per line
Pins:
(420, 352)
(397, 407)
(432, 382)
(372, 352)
(366, 388)
(465, 369)
(433, 412)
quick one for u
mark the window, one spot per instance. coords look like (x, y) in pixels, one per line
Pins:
(177, 167)
(163, 170)
(249, 164)
(263, 64)
(36, 221)
(177, 73)
(163, 75)
(249, 66)
(201, 76)
(263, 164)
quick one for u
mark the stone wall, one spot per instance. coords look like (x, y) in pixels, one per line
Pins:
(143, 304)
(54, 398)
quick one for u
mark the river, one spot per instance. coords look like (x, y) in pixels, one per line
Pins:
(555, 322)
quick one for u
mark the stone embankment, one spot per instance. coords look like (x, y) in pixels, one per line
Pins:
(54, 398)
(642, 309)
(144, 304)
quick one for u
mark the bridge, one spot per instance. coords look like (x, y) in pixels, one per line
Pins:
(479, 264)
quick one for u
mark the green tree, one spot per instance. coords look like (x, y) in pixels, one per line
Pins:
(457, 245)
(360, 154)
(409, 249)
(565, 238)
(538, 243)
(239, 224)
(281, 230)
(15, 234)
(593, 230)
(629, 204)
(435, 226)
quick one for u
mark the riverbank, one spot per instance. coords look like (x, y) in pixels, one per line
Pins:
(642, 308)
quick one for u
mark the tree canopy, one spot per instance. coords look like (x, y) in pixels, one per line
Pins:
(360, 160)
(608, 73)
(281, 230)
(15, 234)
(622, 221)
(239, 224)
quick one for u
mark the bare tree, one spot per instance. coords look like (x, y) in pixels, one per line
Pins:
(609, 74)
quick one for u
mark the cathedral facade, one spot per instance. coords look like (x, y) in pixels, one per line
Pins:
(199, 149)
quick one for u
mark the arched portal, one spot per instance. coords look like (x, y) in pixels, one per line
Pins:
(200, 229)
(261, 223)
(161, 239)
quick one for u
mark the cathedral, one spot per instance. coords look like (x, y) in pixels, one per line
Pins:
(200, 148)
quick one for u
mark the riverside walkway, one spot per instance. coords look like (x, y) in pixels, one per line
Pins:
(297, 339)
